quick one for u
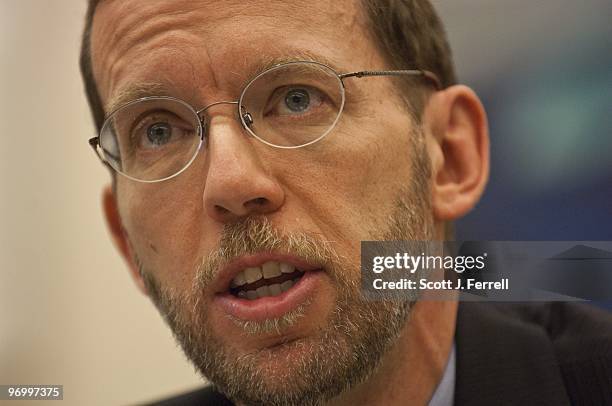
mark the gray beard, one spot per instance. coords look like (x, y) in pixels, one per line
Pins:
(345, 353)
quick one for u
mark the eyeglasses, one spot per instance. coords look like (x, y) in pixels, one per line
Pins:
(290, 105)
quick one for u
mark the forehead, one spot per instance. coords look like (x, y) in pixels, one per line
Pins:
(217, 43)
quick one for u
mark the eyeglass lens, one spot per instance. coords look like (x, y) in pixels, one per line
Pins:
(288, 106)
(293, 104)
(151, 139)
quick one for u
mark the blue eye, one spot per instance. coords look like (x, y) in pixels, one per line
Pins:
(297, 100)
(161, 129)
(159, 133)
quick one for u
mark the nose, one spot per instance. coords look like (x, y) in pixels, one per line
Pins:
(238, 182)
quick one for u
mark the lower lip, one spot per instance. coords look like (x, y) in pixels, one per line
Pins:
(272, 306)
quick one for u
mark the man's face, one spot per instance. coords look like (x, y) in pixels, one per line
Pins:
(243, 204)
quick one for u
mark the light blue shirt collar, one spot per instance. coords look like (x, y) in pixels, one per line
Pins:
(445, 392)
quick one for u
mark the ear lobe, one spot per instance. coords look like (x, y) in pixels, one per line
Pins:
(120, 239)
(461, 147)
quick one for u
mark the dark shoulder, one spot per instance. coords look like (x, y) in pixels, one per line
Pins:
(571, 341)
(577, 332)
(200, 397)
(581, 336)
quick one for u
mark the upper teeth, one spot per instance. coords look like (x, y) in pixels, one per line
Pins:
(268, 270)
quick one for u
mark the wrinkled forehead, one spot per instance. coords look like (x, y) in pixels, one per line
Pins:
(140, 41)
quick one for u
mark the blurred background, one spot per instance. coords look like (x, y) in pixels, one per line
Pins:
(69, 312)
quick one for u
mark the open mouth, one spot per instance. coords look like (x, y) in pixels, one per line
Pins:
(266, 285)
(272, 278)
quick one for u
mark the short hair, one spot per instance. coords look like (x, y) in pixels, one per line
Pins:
(408, 32)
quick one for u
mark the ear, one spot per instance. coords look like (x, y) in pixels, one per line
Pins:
(120, 239)
(459, 150)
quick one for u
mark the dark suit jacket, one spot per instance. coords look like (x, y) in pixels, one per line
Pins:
(516, 354)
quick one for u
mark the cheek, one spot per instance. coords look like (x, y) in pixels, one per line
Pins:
(164, 228)
(351, 182)
(374, 161)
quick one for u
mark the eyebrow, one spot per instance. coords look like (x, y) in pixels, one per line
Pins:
(297, 56)
(134, 92)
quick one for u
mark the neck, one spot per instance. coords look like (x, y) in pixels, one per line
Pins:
(412, 368)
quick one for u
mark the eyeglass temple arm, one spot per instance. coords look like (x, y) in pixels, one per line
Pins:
(426, 74)
(93, 143)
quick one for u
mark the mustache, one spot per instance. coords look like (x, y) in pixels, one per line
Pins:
(256, 234)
